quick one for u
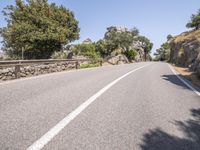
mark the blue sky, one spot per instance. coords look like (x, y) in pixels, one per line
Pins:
(154, 18)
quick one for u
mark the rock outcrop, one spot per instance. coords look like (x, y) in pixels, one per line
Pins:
(118, 59)
(185, 50)
(136, 45)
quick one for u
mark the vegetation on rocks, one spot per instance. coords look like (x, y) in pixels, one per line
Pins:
(131, 54)
(117, 41)
(37, 29)
(195, 21)
(184, 49)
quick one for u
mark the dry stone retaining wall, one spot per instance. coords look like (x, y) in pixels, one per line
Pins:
(36, 69)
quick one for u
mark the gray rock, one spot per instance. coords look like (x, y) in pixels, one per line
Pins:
(119, 59)
(186, 52)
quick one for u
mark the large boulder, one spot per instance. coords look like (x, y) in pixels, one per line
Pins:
(137, 45)
(119, 59)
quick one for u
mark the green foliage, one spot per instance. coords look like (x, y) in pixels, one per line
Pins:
(163, 53)
(60, 55)
(119, 39)
(131, 54)
(195, 21)
(146, 44)
(169, 37)
(102, 48)
(88, 50)
(89, 65)
(38, 27)
(166, 46)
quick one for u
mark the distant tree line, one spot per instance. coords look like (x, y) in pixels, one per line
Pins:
(163, 53)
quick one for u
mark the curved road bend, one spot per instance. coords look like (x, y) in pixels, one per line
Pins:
(148, 109)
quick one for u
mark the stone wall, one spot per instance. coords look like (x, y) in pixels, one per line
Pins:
(36, 69)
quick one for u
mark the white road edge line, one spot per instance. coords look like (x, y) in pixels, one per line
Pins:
(181, 79)
(47, 137)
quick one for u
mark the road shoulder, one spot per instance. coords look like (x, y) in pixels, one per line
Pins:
(188, 78)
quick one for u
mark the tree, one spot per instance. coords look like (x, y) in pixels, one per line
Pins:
(194, 21)
(119, 38)
(169, 37)
(37, 27)
(146, 44)
(88, 50)
(163, 53)
(101, 47)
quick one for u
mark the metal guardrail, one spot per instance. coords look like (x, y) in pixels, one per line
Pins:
(12, 63)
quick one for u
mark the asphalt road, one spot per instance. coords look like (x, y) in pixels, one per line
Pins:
(148, 109)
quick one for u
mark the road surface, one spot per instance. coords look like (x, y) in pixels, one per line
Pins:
(141, 106)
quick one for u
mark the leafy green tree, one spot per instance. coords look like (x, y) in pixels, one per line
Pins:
(146, 44)
(169, 37)
(195, 21)
(88, 50)
(116, 39)
(163, 53)
(37, 27)
(101, 47)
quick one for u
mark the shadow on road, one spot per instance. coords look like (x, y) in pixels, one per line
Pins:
(159, 140)
(173, 79)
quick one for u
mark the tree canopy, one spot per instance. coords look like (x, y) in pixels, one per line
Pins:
(146, 44)
(120, 38)
(88, 50)
(37, 27)
(163, 53)
(194, 21)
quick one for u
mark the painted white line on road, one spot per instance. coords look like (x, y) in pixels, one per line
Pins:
(39, 144)
(180, 78)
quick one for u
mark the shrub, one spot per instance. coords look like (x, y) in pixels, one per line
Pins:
(60, 55)
(131, 54)
(89, 65)
(88, 50)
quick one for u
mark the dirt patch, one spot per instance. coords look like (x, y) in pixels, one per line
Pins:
(191, 76)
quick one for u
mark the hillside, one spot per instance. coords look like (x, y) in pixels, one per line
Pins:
(185, 50)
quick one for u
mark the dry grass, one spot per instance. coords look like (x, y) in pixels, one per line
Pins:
(187, 36)
(185, 72)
